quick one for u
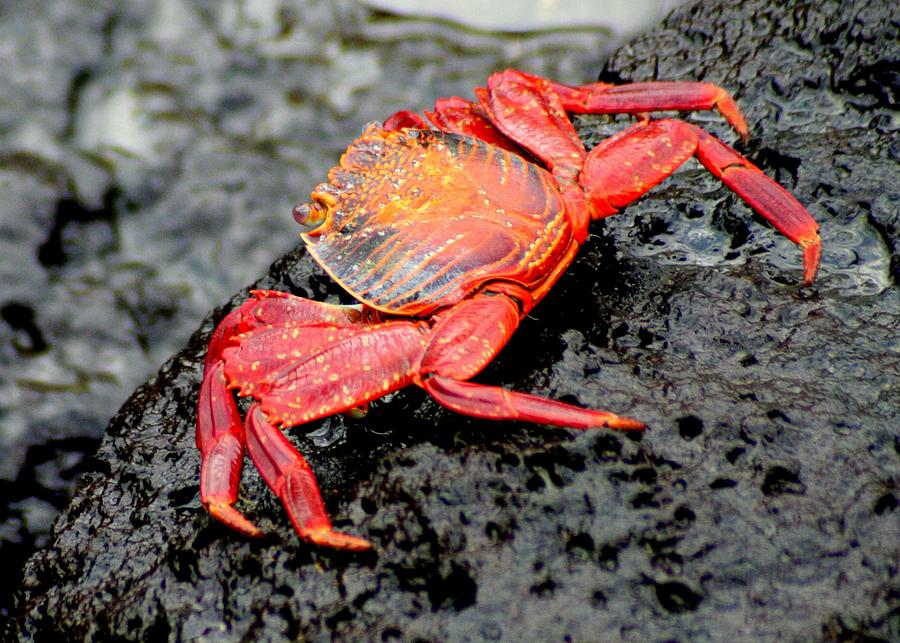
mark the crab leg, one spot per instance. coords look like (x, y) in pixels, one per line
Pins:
(632, 98)
(301, 371)
(464, 341)
(221, 441)
(220, 431)
(526, 111)
(220, 434)
(404, 119)
(496, 403)
(629, 164)
(288, 474)
(464, 117)
(637, 98)
(765, 196)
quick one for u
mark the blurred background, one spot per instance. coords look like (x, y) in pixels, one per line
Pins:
(110, 256)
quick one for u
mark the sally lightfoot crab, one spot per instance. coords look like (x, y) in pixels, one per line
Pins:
(447, 235)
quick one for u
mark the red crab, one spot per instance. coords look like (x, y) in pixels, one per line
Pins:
(448, 236)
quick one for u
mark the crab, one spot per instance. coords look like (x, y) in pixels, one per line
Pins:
(447, 235)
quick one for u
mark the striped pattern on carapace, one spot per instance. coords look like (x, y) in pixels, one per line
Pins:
(417, 220)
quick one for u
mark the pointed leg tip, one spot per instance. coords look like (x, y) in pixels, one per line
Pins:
(336, 540)
(732, 113)
(739, 125)
(626, 424)
(231, 517)
(812, 255)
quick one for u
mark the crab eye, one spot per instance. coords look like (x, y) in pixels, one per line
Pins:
(309, 215)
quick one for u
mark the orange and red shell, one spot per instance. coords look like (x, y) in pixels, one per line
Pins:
(417, 220)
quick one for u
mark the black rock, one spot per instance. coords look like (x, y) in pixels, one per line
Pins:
(147, 158)
(760, 504)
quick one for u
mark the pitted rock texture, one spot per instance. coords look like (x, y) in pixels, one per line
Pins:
(761, 503)
(149, 150)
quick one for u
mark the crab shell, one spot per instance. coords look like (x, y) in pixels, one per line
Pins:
(417, 220)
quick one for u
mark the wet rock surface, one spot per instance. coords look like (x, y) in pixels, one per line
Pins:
(762, 503)
(149, 150)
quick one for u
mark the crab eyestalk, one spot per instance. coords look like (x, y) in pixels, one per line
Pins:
(310, 215)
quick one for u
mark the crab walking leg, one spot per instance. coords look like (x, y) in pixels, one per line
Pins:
(300, 373)
(496, 403)
(221, 440)
(636, 98)
(288, 474)
(220, 435)
(466, 118)
(465, 341)
(269, 307)
(765, 196)
(220, 430)
(531, 115)
(627, 165)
